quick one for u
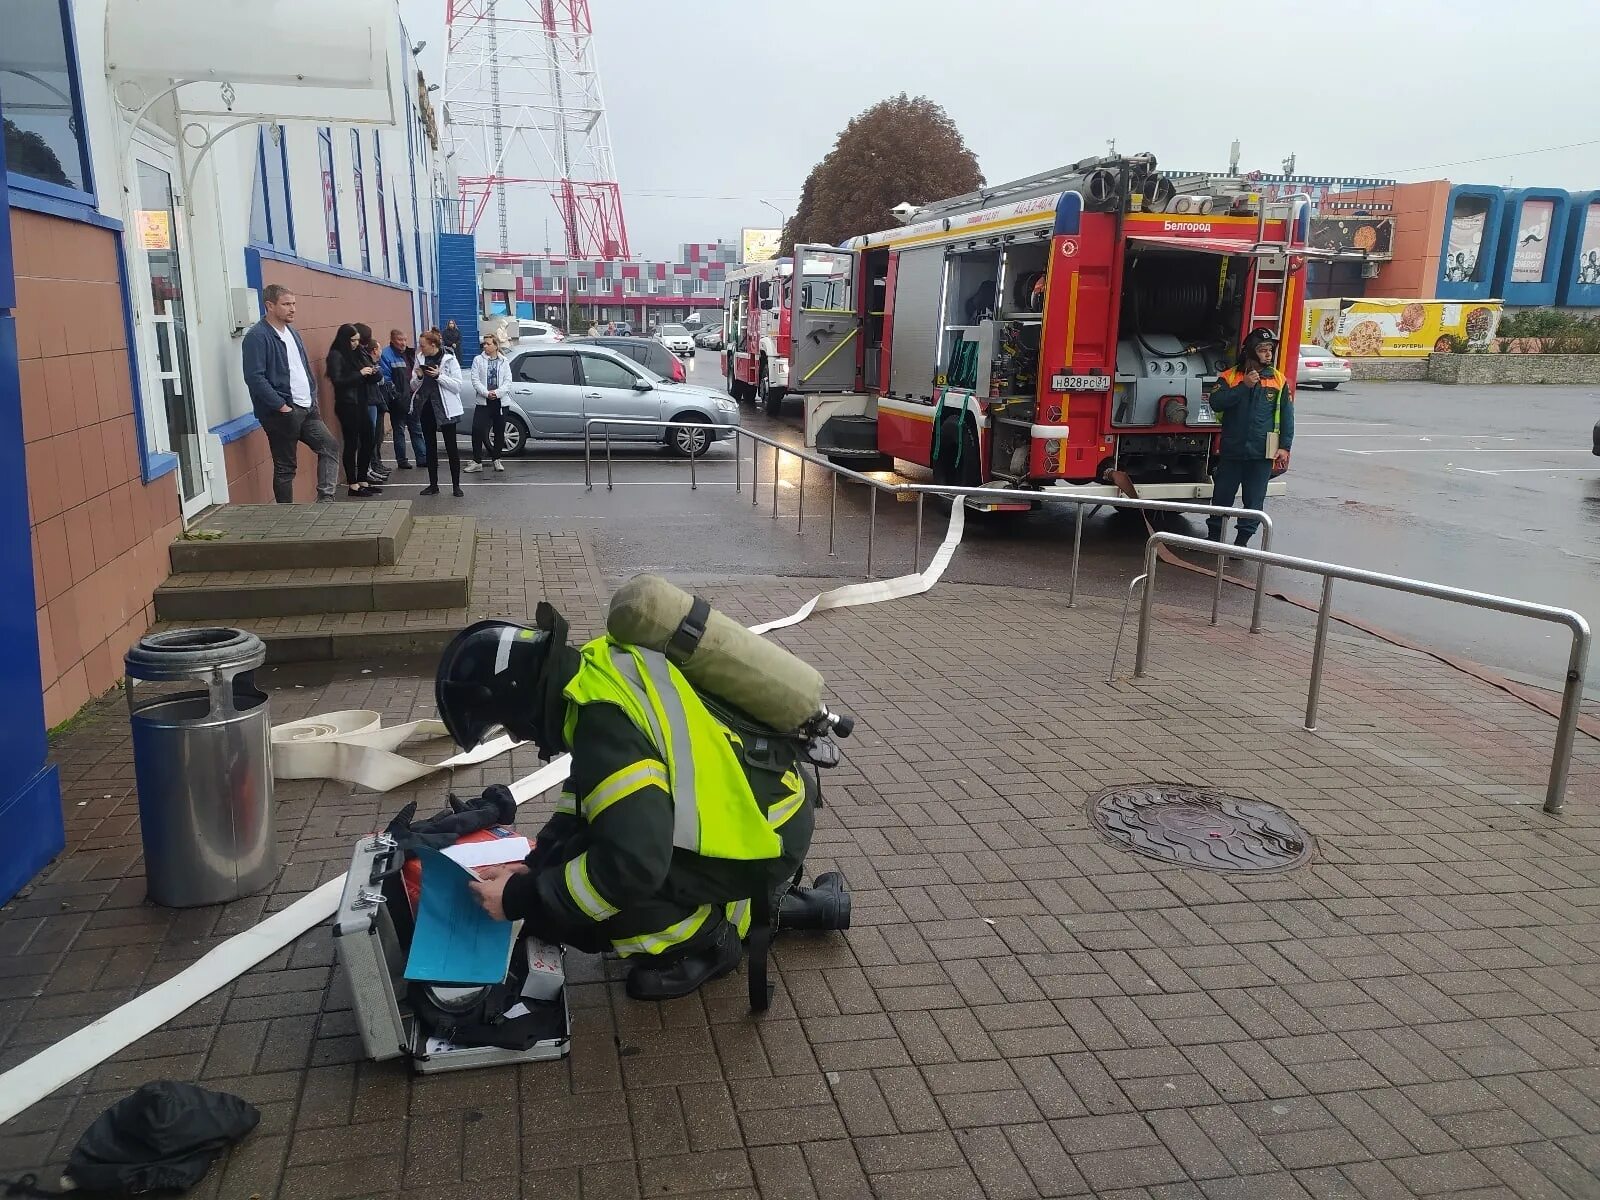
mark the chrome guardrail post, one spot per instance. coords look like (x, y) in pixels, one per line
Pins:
(833, 512)
(872, 528)
(1319, 650)
(1077, 551)
(916, 563)
(1577, 658)
(694, 483)
(588, 483)
(1116, 650)
(1216, 594)
(775, 473)
(755, 471)
(738, 459)
(800, 503)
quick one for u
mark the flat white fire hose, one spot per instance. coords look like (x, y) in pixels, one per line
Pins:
(355, 747)
(352, 746)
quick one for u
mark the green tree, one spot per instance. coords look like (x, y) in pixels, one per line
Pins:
(900, 150)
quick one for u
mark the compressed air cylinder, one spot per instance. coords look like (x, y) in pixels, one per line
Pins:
(758, 677)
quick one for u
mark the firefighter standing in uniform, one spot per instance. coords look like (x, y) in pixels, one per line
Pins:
(1253, 402)
(665, 829)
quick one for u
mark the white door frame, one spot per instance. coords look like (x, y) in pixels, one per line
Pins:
(161, 154)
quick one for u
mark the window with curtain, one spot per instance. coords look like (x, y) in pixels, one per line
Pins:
(383, 211)
(356, 165)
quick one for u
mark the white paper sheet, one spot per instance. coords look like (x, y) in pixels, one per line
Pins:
(483, 854)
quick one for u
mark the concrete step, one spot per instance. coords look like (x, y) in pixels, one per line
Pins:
(279, 537)
(432, 571)
(367, 636)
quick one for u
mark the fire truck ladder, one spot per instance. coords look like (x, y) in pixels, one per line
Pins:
(1264, 309)
(1057, 179)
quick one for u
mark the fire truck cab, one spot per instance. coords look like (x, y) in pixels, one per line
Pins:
(759, 319)
(1059, 330)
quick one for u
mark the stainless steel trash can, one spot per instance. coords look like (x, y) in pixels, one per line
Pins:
(202, 756)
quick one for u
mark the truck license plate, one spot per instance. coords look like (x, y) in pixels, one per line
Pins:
(1079, 383)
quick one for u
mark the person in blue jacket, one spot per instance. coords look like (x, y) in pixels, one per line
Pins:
(1256, 408)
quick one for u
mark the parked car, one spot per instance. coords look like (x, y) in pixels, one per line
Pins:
(676, 338)
(555, 389)
(537, 331)
(646, 351)
(1322, 366)
(709, 338)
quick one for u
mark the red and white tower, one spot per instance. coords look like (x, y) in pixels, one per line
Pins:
(523, 110)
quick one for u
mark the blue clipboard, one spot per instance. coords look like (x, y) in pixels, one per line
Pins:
(455, 941)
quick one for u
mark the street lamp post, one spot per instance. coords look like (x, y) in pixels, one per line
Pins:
(783, 217)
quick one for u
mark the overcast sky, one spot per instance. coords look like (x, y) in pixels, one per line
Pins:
(716, 105)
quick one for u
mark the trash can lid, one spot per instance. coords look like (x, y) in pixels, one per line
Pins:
(194, 653)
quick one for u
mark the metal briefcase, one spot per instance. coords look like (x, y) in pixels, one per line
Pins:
(373, 957)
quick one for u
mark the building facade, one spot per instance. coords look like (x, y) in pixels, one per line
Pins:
(598, 291)
(159, 172)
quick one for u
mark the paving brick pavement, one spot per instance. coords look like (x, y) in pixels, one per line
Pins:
(1020, 1009)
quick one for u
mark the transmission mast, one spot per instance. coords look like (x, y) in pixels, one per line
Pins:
(524, 112)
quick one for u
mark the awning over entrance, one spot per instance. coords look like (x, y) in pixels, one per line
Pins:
(283, 60)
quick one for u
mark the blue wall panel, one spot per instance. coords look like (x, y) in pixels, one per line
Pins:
(1471, 241)
(1580, 265)
(458, 288)
(1534, 223)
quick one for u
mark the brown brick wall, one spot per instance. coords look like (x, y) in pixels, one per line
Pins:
(326, 302)
(99, 533)
(1514, 368)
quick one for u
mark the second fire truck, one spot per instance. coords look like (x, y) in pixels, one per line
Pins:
(1059, 330)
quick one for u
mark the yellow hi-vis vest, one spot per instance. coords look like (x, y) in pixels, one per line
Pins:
(715, 813)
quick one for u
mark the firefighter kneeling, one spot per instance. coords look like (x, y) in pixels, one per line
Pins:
(672, 819)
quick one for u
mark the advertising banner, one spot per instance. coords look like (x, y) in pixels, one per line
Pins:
(759, 245)
(1589, 246)
(1533, 241)
(1398, 328)
(1372, 237)
(1466, 239)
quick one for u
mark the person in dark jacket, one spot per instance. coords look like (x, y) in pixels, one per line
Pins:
(347, 369)
(284, 396)
(396, 362)
(661, 837)
(376, 404)
(452, 338)
(1256, 408)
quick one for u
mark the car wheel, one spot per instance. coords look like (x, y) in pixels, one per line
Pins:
(690, 443)
(1328, 387)
(516, 436)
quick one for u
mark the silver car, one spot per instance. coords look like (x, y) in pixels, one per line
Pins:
(556, 388)
(1323, 367)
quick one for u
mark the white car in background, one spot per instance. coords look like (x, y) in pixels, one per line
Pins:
(1323, 367)
(533, 332)
(676, 338)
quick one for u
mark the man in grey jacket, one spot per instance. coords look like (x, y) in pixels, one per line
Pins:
(278, 374)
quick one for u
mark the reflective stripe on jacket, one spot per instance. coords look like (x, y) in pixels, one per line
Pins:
(1249, 414)
(715, 812)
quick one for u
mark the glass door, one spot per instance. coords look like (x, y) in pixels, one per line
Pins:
(165, 322)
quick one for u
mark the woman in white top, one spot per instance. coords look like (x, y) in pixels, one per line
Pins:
(490, 372)
(436, 390)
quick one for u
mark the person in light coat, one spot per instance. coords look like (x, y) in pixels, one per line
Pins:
(436, 398)
(490, 374)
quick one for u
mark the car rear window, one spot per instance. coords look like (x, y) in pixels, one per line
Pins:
(676, 330)
(543, 368)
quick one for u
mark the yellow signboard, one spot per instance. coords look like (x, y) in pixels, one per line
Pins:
(155, 228)
(760, 245)
(1398, 328)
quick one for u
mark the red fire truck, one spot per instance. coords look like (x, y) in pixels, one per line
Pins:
(1050, 331)
(758, 309)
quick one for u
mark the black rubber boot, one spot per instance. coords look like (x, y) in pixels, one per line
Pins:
(667, 977)
(822, 906)
(1243, 539)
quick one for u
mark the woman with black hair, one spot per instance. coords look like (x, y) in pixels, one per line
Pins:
(377, 472)
(347, 369)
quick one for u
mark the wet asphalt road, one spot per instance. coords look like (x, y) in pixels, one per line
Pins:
(1490, 488)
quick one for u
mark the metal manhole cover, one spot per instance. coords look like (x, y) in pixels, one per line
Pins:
(1200, 828)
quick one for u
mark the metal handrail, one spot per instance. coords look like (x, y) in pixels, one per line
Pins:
(923, 490)
(1577, 661)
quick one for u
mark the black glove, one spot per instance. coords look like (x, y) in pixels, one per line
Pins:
(496, 806)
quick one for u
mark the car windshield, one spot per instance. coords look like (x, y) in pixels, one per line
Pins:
(675, 330)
